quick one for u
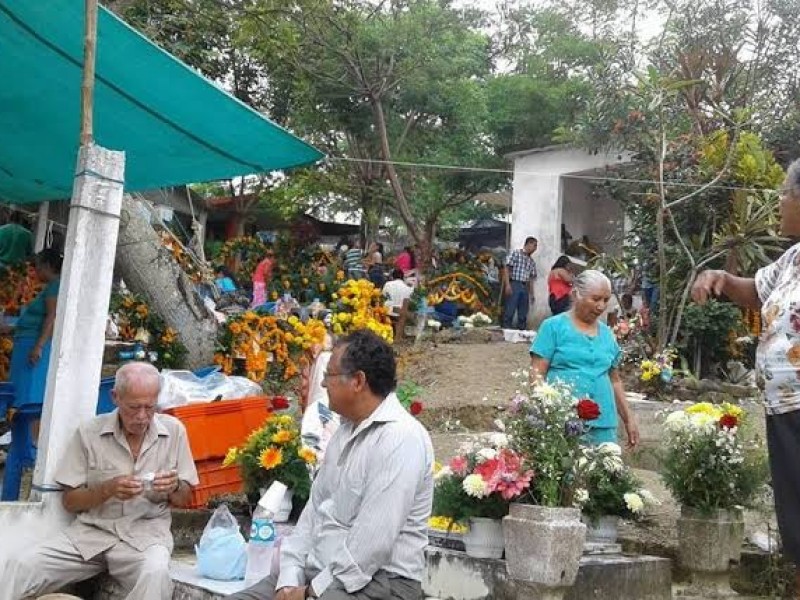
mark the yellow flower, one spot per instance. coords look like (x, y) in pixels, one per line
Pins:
(284, 420)
(270, 458)
(230, 456)
(308, 455)
(704, 408)
(732, 410)
(282, 436)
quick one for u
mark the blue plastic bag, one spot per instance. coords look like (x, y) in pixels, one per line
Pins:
(222, 551)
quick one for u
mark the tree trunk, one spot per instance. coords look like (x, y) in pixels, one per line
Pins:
(150, 272)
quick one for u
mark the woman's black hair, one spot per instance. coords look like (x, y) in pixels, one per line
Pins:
(562, 263)
(50, 257)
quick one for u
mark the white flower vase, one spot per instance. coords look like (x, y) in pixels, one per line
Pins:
(484, 538)
(282, 516)
(603, 530)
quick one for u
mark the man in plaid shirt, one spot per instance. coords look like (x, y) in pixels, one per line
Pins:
(518, 278)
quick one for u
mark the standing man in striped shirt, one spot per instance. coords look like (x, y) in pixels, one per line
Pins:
(363, 533)
(518, 279)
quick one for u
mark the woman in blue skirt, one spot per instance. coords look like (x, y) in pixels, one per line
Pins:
(30, 358)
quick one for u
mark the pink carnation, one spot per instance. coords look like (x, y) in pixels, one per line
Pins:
(504, 475)
(459, 465)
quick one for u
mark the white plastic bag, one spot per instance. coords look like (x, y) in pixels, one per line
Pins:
(222, 551)
(179, 388)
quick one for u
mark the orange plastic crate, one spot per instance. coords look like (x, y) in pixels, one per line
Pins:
(215, 480)
(214, 427)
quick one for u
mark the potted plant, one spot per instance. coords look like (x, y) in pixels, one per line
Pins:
(543, 532)
(611, 493)
(476, 489)
(275, 452)
(713, 469)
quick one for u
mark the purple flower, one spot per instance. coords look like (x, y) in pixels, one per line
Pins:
(574, 428)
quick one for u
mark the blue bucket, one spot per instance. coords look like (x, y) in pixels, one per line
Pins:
(104, 402)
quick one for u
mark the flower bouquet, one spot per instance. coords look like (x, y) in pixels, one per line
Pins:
(611, 492)
(477, 488)
(545, 423)
(656, 373)
(358, 304)
(709, 461)
(713, 469)
(274, 452)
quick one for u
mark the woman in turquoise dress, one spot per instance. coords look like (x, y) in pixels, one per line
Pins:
(576, 348)
(30, 359)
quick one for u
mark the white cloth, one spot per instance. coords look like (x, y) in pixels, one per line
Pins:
(369, 505)
(778, 353)
(396, 292)
(319, 421)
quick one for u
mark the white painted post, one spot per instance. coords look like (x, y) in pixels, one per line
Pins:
(78, 341)
(41, 227)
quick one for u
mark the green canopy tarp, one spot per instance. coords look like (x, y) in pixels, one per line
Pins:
(175, 126)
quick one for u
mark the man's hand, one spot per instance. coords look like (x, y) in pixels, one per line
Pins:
(165, 482)
(123, 487)
(291, 593)
(707, 285)
(507, 290)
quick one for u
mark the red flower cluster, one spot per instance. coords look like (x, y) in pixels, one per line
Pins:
(415, 408)
(280, 402)
(728, 422)
(588, 410)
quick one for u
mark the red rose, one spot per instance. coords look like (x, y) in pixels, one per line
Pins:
(280, 402)
(415, 408)
(588, 410)
(728, 422)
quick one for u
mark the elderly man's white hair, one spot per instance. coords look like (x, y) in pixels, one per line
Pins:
(135, 371)
(591, 280)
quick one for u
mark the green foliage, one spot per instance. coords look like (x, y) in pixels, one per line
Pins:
(710, 327)
(407, 392)
(607, 482)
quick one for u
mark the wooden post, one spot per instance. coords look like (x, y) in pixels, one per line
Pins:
(87, 85)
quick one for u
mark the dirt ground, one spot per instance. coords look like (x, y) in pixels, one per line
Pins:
(464, 385)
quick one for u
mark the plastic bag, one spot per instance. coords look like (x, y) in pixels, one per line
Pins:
(179, 388)
(222, 551)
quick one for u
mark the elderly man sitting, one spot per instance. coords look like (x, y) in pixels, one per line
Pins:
(121, 472)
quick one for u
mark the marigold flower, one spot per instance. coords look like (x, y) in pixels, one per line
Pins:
(270, 458)
(282, 436)
(308, 455)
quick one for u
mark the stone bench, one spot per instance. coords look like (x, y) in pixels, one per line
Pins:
(452, 575)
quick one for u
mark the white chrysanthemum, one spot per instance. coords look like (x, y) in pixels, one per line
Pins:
(545, 390)
(610, 448)
(581, 496)
(613, 464)
(432, 323)
(677, 420)
(498, 440)
(649, 498)
(486, 454)
(443, 472)
(634, 503)
(703, 420)
(475, 486)
(469, 325)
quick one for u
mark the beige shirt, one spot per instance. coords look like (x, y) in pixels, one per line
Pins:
(99, 451)
(369, 505)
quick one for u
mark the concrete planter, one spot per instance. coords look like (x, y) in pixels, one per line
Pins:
(484, 538)
(543, 548)
(603, 530)
(707, 545)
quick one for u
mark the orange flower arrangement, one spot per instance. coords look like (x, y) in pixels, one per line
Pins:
(270, 347)
(18, 286)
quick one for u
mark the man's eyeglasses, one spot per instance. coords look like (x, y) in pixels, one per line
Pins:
(329, 374)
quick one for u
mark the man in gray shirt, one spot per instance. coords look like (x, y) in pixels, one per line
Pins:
(363, 532)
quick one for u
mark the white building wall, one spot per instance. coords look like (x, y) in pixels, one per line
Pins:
(537, 207)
